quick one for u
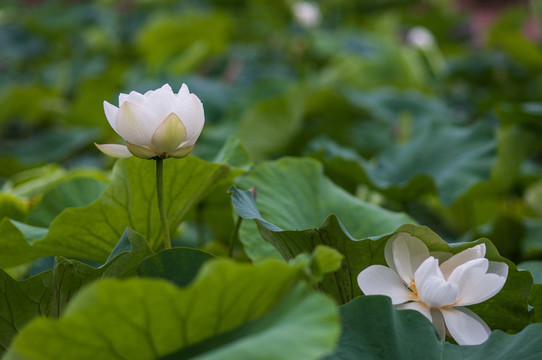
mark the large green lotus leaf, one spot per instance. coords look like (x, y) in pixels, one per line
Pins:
(207, 31)
(531, 242)
(150, 318)
(52, 145)
(508, 310)
(294, 194)
(13, 207)
(390, 104)
(387, 115)
(178, 265)
(372, 329)
(535, 267)
(439, 158)
(34, 183)
(212, 217)
(17, 238)
(75, 192)
(535, 300)
(126, 256)
(16, 243)
(130, 201)
(234, 154)
(279, 118)
(301, 326)
(48, 293)
(19, 305)
(481, 212)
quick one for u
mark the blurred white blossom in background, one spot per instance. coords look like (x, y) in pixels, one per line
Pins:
(307, 14)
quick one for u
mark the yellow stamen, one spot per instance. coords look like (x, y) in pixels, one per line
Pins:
(451, 305)
(414, 293)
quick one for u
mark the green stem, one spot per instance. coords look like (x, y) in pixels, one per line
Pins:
(199, 225)
(160, 196)
(234, 236)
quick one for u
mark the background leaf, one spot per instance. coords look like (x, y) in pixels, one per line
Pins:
(444, 159)
(76, 192)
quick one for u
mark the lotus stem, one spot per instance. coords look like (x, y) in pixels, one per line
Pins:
(160, 195)
(234, 236)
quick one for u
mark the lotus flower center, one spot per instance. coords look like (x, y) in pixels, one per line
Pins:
(414, 294)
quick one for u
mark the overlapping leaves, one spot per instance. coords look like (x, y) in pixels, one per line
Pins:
(151, 318)
(443, 159)
(91, 232)
(508, 310)
(295, 194)
(372, 329)
(48, 293)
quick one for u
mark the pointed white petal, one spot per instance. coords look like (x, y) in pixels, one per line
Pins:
(475, 252)
(181, 152)
(469, 274)
(415, 305)
(191, 113)
(161, 102)
(165, 89)
(474, 284)
(114, 150)
(169, 135)
(135, 124)
(136, 98)
(381, 280)
(404, 253)
(490, 285)
(183, 91)
(433, 290)
(498, 268)
(465, 326)
(438, 323)
(122, 98)
(110, 113)
(142, 152)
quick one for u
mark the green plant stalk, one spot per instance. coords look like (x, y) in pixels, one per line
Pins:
(234, 236)
(160, 195)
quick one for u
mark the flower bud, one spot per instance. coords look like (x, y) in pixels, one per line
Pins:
(157, 124)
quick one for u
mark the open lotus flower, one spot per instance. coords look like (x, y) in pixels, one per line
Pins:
(415, 280)
(157, 124)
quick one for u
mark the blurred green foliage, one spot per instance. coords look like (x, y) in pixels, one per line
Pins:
(448, 132)
(353, 124)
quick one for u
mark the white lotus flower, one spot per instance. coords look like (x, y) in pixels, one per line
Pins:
(420, 37)
(414, 280)
(158, 123)
(307, 14)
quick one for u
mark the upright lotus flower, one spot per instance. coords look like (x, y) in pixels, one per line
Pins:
(415, 280)
(158, 123)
